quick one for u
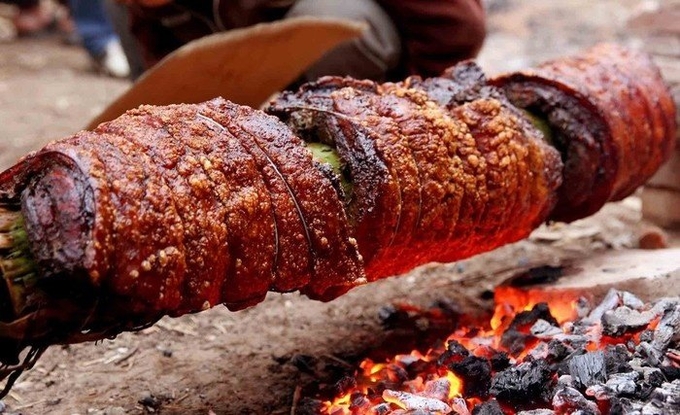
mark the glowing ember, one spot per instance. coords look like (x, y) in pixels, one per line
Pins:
(564, 356)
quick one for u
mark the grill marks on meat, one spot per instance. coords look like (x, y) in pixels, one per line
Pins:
(613, 117)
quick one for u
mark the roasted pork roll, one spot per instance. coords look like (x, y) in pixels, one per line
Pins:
(450, 179)
(611, 117)
(172, 210)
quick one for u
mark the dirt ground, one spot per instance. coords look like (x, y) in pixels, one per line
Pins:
(240, 363)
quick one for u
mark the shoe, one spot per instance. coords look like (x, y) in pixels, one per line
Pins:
(113, 62)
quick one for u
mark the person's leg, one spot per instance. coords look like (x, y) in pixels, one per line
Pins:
(92, 24)
(118, 13)
(372, 56)
(98, 37)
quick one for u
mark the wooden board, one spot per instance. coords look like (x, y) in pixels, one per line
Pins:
(245, 66)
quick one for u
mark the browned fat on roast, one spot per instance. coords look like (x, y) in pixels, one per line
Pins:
(485, 176)
(613, 120)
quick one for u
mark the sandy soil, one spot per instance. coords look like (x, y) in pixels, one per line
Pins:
(242, 363)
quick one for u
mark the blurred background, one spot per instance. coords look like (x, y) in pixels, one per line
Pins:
(50, 86)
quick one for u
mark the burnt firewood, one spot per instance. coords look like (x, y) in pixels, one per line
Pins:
(623, 384)
(616, 359)
(517, 337)
(499, 361)
(545, 274)
(526, 384)
(568, 400)
(588, 369)
(490, 407)
(455, 352)
(544, 330)
(668, 330)
(558, 350)
(624, 319)
(476, 375)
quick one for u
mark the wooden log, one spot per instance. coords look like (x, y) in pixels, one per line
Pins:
(649, 274)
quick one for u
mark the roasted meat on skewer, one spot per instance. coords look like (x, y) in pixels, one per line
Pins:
(172, 210)
(611, 117)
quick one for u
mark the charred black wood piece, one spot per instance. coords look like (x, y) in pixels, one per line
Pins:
(568, 400)
(624, 319)
(476, 375)
(517, 336)
(588, 369)
(528, 383)
(490, 407)
(617, 359)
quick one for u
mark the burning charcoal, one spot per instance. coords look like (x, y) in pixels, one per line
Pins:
(654, 376)
(623, 384)
(625, 406)
(610, 302)
(647, 336)
(476, 375)
(667, 330)
(459, 406)
(499, 361)
(616, 359)
(671, 373)
(668, 392)
(569, 400)
(545, 330)
(600, 393)
(412, 402)
(588, 369)
(565, 380)
(516, 341)
(437, 389)
(652, 356)
(656, 408)
(359, 402)
(454, 352)
(558, 350)
(452, 346)
(526, 319)
(516, 337)
(526, 383)
(539, 351)
(344, 385)
(537, 412)
(623, 319)
(630, 300)
(490, 407)
(382, 409)
(411, 412)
